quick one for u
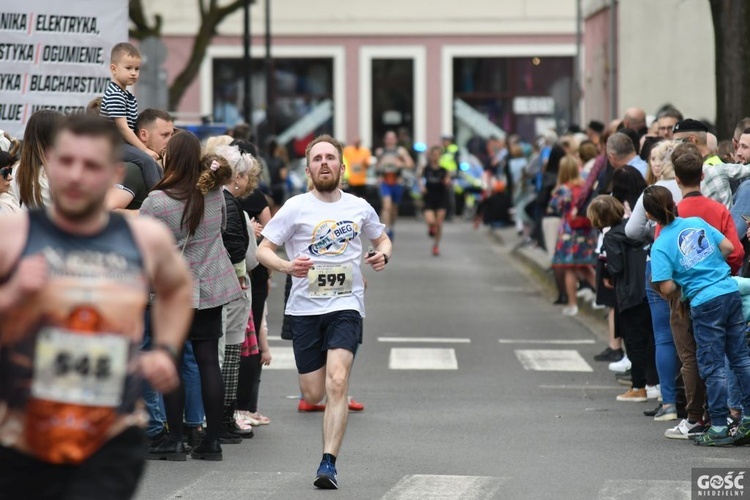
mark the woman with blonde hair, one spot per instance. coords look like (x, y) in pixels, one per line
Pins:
(190, 201)
(661, 171)
(576, 238)
(212, 143)
(239, 239)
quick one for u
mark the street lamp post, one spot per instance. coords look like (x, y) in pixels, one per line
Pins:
(269, 73)
(247, 70)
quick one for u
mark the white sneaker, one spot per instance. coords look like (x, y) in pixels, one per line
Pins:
(620, 366)
(587, 294)
(570, 310)
(653, 391)
(684, 429)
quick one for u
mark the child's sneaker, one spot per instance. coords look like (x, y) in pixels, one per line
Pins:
(714, 437)
(742, 434)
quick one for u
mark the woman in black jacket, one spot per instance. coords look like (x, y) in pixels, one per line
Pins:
(236, 237)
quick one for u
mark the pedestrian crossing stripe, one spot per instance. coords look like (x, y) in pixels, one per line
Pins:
(641, 488)
(282, 359)
(215, 484)
(434, 487)
(429, 358)
(422, 358)
(557, 360)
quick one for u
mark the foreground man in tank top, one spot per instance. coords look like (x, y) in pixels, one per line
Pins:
(74, 284)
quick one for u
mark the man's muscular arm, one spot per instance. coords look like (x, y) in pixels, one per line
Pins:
(22, 279)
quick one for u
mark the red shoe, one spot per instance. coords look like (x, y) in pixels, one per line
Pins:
(305, 406)
(355, 405)
(436, 251)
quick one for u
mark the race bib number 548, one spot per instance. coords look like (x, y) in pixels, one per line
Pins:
(80, 369)
(330, 280)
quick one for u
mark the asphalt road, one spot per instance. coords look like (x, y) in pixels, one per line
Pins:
(502, 400)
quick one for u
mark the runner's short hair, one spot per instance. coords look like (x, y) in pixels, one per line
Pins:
(123, 49)
(330, 140)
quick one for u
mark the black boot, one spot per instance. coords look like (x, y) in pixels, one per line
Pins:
(194, 436)
(226, 437)
(229, 425)
(209, 449)
(166, 449)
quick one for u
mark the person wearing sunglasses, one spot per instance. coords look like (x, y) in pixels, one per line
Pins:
(8, 203)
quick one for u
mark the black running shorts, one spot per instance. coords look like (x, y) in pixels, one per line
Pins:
(314, 336)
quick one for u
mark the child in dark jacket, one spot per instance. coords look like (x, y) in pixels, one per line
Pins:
(625, 270)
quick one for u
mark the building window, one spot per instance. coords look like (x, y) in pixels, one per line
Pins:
(301, 86)
(492, 86)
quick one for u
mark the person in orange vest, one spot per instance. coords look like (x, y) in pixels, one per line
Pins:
(357, 160)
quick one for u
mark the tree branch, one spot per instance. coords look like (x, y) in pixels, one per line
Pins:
(209, 22)
(228, 9)
(142, 28)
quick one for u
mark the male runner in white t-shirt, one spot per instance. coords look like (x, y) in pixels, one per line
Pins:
(322, 231)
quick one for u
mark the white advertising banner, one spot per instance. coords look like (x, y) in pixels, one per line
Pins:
(55, 55)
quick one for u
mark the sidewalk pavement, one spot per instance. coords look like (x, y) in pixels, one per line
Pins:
(537, 261)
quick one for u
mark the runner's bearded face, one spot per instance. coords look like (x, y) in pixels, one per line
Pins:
(80, 170)
(324, 167)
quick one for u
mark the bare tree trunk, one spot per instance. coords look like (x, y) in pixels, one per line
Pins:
(211, 16)
(731, 19)
(209, 22)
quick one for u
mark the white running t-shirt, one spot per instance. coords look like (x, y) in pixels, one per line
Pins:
(330, 234)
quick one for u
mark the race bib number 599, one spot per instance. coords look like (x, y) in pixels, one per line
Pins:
(80, 369)
(330, 280)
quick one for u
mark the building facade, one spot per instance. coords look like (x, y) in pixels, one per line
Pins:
(663, 54)
(356, 68)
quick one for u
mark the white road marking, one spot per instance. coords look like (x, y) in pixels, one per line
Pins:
(275, 337)
(636, 489)
(423, 358)
(424, 340)
(547, 341)
(548, 360)
(433, 487)
(283, 359)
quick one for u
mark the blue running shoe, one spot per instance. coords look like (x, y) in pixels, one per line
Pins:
(326, 479)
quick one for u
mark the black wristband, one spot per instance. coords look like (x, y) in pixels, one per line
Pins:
(173, 353)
